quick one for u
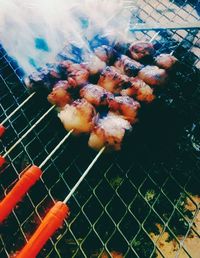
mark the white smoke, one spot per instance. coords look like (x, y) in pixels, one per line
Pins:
(34, 31)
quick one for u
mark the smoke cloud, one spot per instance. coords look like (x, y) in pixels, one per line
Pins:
(34, 32)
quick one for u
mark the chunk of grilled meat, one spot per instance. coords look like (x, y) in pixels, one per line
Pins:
(60, 95)
(140, 90)
(111, 80)
(46, 77)
(141, 49)
(106, 53)
(95, 65)
(78, 74)
(109, 131)
(78, 116)
(166, 61)
(128, 66)
(72, 67)
(79, 78)
(153, 75)
(95, 95)
(125, 106)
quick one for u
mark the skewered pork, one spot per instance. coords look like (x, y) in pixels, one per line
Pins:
(106, 83)
(60, 95)
(106, 53)
(78, 74)
(166, 61)
(78, 116)
(125, 106)
(95, 95)
(140, 90)
(153, 75)
(109, 131)
(111, 80)
(141, 49)
(128, 66)
(95, 65)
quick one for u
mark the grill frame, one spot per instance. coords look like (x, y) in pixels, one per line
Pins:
(113, 176)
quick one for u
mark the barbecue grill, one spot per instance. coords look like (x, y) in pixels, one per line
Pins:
(130, 195)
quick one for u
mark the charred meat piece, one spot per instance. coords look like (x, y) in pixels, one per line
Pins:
(78, 116)
(166, 61)
(95, 95)
(60, 95)
(109, 131)
(153, 75)
(106, 53)
(78, 74)
(140, 90)
(78, 78)
(125, 106)
(141, 49)
(72, 67)
(46, 77)
(111, 80)
(128, 66)
(95, 65)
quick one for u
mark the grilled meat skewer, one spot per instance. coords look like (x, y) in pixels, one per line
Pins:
(166, 61)
(153, 75)
(106, 53)
(96, 95)
(140, 90)
(125, 106)
(60, 95)
(109, 131)
(141, 49)
(128, 66)
(78, 116)
(111, 80)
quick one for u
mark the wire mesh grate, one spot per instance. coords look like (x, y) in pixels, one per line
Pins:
(132, 201)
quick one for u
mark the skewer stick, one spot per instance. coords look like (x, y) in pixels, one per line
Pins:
(2, 157)
(84, 175)
(26, 181)
(2, 128)
(155, 35)
(53, 220)
(56, 148)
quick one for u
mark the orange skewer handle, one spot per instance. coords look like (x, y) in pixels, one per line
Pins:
(52, 221)
(28, 179)
(2, 161)
(2, 130)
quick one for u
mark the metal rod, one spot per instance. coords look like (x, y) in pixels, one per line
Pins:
(167, 26)
(155, 35)
(56, 148)
(84, 175)
(24, 102)
(40, 119)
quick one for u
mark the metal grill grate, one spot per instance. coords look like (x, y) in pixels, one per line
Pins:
(126, 194)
